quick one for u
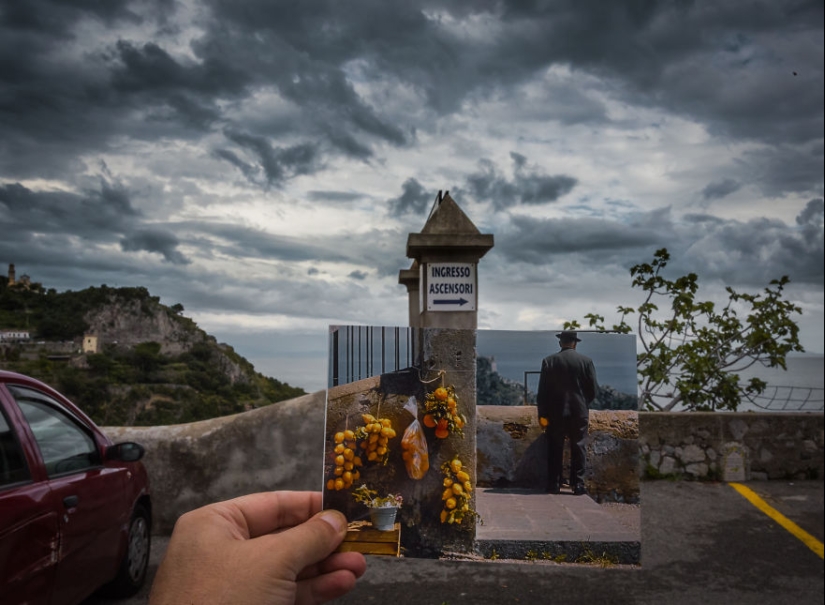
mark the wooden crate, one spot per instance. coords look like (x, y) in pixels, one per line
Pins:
(361, 537)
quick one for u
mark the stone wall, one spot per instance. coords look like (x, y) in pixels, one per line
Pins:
(732, 446)
(512, 452)
(279, 447)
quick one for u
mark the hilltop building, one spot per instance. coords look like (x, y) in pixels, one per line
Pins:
(24, 281)
(90, 343)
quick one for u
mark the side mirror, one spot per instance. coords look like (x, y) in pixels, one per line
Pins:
(125, 452)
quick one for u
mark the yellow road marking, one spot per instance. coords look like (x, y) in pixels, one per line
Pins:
(799, 533)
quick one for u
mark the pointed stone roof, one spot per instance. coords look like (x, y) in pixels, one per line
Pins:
(447, 217)
(448, 231)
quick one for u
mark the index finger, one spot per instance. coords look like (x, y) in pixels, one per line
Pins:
(263, 513)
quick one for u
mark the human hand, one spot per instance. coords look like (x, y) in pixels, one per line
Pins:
(272, 548)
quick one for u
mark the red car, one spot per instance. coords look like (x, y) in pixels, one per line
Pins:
(75, 510)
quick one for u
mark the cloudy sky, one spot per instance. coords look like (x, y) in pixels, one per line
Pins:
(261, 162)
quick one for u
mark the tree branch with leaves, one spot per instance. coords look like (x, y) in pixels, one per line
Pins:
(691, 351)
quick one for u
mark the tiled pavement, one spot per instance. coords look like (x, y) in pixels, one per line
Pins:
(519, 523)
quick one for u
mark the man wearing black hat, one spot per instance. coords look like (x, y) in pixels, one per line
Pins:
(566, 388)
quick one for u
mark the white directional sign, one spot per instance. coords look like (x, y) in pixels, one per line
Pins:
(450, 286)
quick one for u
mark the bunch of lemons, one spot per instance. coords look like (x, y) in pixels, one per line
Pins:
(374, 437)
(441, 412)
(456, 495)
(347, 462)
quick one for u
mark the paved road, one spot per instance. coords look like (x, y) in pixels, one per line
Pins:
(701, 543)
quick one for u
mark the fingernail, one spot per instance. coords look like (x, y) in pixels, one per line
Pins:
(334, 518)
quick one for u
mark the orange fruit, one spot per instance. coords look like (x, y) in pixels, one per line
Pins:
(450, 503)
(442, 433)
(441, 394)
(339, 460)
(348, 434)
(339, 449)
(543, 421)
(339, 484)
(339, 437)
(331, 484)
(447, 482)
(451, 403)
(442, 423)
(429, 421)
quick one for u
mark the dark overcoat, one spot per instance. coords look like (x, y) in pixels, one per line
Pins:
(567, 385)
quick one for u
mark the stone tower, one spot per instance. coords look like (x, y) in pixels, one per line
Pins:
(11, 274)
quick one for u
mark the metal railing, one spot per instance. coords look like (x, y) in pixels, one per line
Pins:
(358, 352)
(789, 399)
(773, 399)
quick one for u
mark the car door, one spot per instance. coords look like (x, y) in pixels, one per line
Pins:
(28, 522)
(88, 495)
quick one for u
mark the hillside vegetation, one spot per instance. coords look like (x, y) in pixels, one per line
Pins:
(153, 365)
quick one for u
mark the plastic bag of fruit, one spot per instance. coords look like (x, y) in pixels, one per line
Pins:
(414, 444)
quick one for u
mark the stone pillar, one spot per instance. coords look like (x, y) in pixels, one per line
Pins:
(442, 285)
(447, 252)
(411, 279)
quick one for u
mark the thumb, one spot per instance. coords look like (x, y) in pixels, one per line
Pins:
(313, 540)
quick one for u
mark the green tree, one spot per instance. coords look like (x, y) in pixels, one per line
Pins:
(691, 350)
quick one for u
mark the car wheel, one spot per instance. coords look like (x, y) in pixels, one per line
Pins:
(132, 571)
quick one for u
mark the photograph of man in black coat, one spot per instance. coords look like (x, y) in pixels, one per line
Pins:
(567, 387)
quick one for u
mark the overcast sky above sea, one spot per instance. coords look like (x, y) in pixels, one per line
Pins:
(261, 162)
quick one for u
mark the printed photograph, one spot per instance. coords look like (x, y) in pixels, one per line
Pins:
(484, 444)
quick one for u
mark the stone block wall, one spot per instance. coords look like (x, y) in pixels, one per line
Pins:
(731, 446)
(279, 447)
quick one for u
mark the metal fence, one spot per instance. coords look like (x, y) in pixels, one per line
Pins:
(358, 352)
(773, 399)
(790, 399)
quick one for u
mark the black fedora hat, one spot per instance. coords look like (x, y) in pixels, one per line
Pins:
(568, 336)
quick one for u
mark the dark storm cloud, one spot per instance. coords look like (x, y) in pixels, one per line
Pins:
(754, 251)
(274, 164)
(782, 170)
(719, 189)
(742, 252)
(414, 200)
(813, 213)
(537, 241)
(359, 275)
(98, 216)
(160, 242)
(95, 214)
(728, 65)
(528, 186)
(240, 242)
(333, 196)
